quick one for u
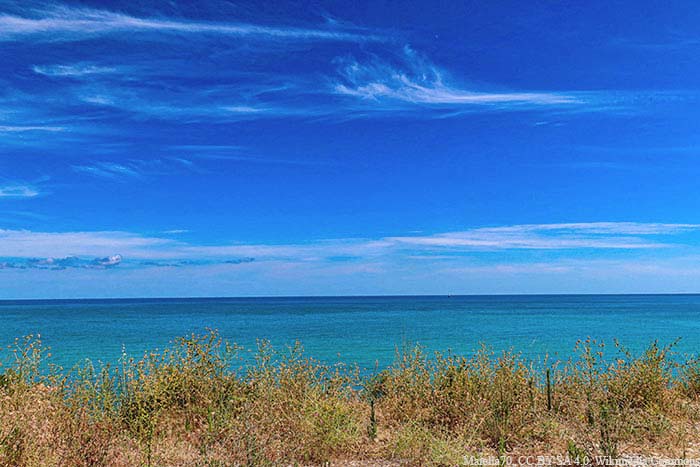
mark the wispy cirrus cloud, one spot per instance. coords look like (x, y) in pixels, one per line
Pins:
(162, 251)
(183, 105)
(131, 169)
(379, 79)
(18, 191)
(28, 128)
(29, 244)
(69, 23)
(42, 250)
(615, 228)
(416, 81)
(145, 92)
(73, 70)
(367, 85)
(592, 235)
(108, 170)
(357, 86)
(193, 262)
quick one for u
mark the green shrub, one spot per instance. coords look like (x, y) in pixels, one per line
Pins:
(197, 403)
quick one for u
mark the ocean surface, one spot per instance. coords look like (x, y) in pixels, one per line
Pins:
(362, 330)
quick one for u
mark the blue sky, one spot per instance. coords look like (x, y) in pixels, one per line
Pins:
(283, 148)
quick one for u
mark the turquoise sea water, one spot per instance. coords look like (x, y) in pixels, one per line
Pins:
(362, 330)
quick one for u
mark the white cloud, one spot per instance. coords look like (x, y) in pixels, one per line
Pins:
(374, 86)
(25, 128)
(28, 244)
(575, 236)
(65, 23)
(132, 169)
(410, 84)
(67, 262)
(107, 262)
(477, 241)
(108, 170)
(593, 235)
(243, 109)
(73, 70)
(630, 228)
(181, 105)
(417, 81)
(157, 266)
(18, 191)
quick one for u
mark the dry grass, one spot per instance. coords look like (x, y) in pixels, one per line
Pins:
(198, 403)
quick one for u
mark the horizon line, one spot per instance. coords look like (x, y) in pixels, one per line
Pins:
(248, 297)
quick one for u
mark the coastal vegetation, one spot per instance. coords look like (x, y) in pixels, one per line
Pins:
(206, 402)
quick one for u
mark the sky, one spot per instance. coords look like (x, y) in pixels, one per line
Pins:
(225, 148)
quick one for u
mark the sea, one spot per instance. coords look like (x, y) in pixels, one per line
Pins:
(366, 331)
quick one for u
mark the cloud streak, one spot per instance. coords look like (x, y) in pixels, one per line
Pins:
(109, 170)
(343, 82)
(67, 23)
(73, 70)
(133, 169)
(18, 191)
(107, 262)
(416, 81)
(615, 228)
(190, 262)
(591, 235)
(622, 236)
(357, 88)
(26, 128)
(62, 263)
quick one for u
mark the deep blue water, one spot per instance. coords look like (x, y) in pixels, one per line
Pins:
(363, 330)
